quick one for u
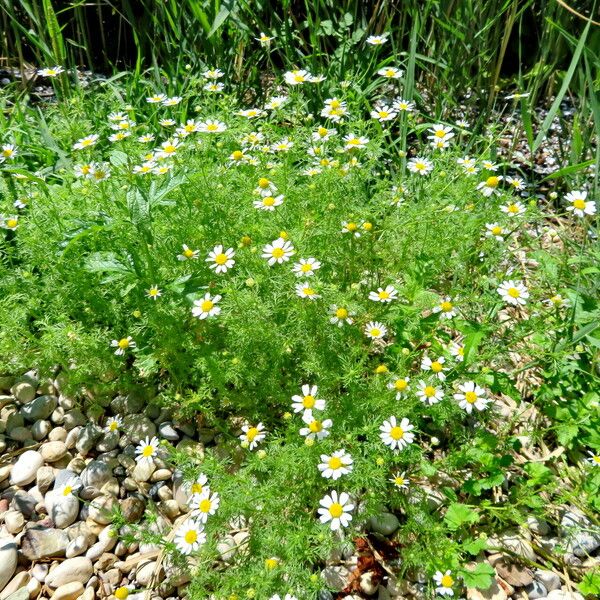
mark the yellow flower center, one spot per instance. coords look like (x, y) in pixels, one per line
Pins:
(446, 306)
(492, 181)
(124, 343)
(390, 73)
(335, 462)
(263, 182)
(596, 459)
(316, 426)
(396, 433)
(513, 208)
(121, 593)
(221, 259)
(212, 127)
(471, 397)
(341, 313)
(299, 78)
(384, 114)
(197, 488)
(429, 391)
(579, 203)
(191, 536)
(335, 104)
(308, 401)
(436, 366)
(68, 489)
(11, 223)
(497, 230)
(86, 142)
(322, 131)
(513, 292)
(204, 505)
(268, 201)
(277, 252)
(375, 332)
(420, 166)
(237, 155)
(353, 142)
(440, 133)
(113, 426)
(251, 434)
(153, 292)
(400, 384)
(207, 305)
(148, 451)
(188, 253)
(336, 510)
(308, 291)
(169, 149)
(351, 227)
(399, 480)
(447, 581)
(383, 295)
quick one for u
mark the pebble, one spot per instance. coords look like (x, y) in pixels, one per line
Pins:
(549, 579)
(536, 590)
(14, 521)
(145, 572)
(367, 583)
(564, 595)
(73, 569)
(385, 523)
(53, 451)
(87, 438)
(44, 479)
(40, 408)
(34, 587)
(20, 580)
(143, 470)
(25, 469)
(40, 429)
(77, 546)
(336, 577)
(101, 508)
(21, 594)
(95, 474)
(40, 571)
(69, 591)
(8, 560)
(538, 526)
(63, 509)
(138, 427)
(167, 431)
(43, 542)
(23, 391)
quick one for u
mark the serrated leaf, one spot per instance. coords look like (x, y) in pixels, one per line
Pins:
(474, 546)
(481, 576)
(458, 515)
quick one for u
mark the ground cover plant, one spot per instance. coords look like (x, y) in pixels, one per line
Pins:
(380, 317)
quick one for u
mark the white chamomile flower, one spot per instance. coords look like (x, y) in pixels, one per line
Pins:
(383, 113)
(296, 77)
(122, 345)
(377, 40)
(220, 260)
(173, 101)
(156, 98)
(578, 204)
(336, 510)
(429, 394)
(384, 295)
(212, 126)
(593, 458)
(351, 227)
(315, 429)
(86, 142)
(513, 292)
(113, 423)
(471, 395)
(516, 183)
(444, 583)
(153, 292)
(340, 315)
(306, 267)
(252, 435)
(308, 400)
(323, 134)
(421, 166)
(147, 449)
(375, 330)
(264, 40)
(335, 465)
(50, 71)
(190, 536)
(440, 132)
(457, 350)
(557, 301)
(198, 486)
(445, 308)
(402, 105)
(496, 231)
(488, 165)
(268, 202)
(355, 142)
(206, 307)
(399, 385)
(8, 152)
(435, 366)
(70, 487)
(397, 435)
(490, 185)
(390, 72)
(513, 209)
(204, 505)
(278, 251)
(188, 254)
(400, 480)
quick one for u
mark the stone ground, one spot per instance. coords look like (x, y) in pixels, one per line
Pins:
(62, 547)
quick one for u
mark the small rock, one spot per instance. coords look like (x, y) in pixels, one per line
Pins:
(167, 431)
(101, 508)
(69, 591)
(73, 569)
(58, 434)
(40, 571)
(20, 580)
(138, 427)
(549, 579)
(23, 391)
(40, 408)
(19, 434)
(494, 592)
(42, 542)
(14, 521)
(336, 577)
(40, 429)
(145, 572)
(8, 560)
(53, 451)
(367, 583)
(516, 575)
(564, 595)
(73, 418)
(25, 469)
(109, 441)
(536, 590)
(132, 509)
(385, 523)
(538, 526)
(34, 587)
(227, 548)
(44, 479)
(143, 470)
(21, 594)
(96, 474)
(62, 509)
(160, 475)
(77, 546)
(87, 438)
(515, 542)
